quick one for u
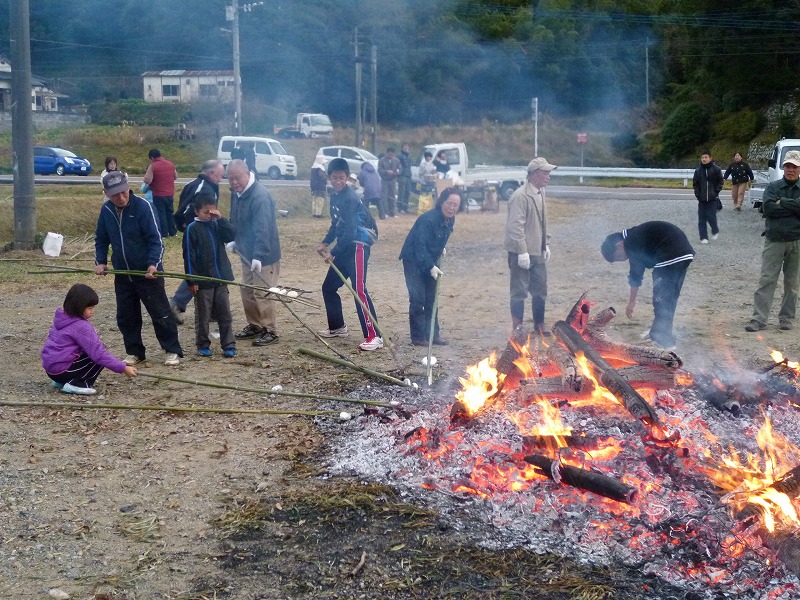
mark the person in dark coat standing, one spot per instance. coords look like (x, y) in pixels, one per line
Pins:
(424, 246)
(708, 182)
(371, 183)
(404, 179)
(741, 175)
(660, 246)
(318, 182)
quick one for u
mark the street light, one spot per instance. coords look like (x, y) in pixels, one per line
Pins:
(232, 14)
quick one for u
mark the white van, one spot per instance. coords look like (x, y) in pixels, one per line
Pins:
(272, 159)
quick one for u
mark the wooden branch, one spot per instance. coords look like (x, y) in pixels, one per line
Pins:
(595, 333)
(637, 376)
(505, 364)
(597, 483)
(578, 315)
(571, 376)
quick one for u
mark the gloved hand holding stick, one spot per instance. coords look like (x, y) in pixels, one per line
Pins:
(436, 273)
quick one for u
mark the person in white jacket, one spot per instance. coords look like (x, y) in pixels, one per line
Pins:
(527, 243)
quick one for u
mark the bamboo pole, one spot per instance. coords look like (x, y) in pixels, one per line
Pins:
(246, 411)
(170, 275)
(239, 388)
(432, 331)
(345, 363)
(315, 334)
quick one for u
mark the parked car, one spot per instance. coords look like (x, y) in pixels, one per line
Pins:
(354, 156)
(272, 159)
(52, 159)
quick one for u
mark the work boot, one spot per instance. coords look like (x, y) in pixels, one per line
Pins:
(515, 322)
(542, 330)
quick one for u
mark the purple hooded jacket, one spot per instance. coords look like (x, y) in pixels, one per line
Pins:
(370, 181)
(68, 337)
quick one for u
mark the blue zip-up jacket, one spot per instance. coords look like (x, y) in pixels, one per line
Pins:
(133, 236)
(427, 238)
(707, 182)
(351, 222)
(204, 251)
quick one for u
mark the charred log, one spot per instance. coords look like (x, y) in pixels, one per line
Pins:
(716, 396)
(505, 364)
(636, 375)
(608, 377)
(578, 316)
(597, 483)
(644, 355)
(571, 376)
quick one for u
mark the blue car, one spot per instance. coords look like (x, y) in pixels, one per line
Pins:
(51, 159)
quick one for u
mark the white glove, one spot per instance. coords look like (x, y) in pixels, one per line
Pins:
(524, 261)
(436, 272)
(230, 247)
(255, 265)
(546, 253)
(444, 251)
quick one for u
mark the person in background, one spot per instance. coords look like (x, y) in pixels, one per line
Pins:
(441, 164)
(250, 157)
(128, 224)
(354, 231)
(73, 355)
(253, 214)
(111, 165)
(781, 208)
(426, 166)
(204, 254)
(319, 188)
(404, 179)
(237, 153)
(207, 181)
(422, 249)
(147, 193)
(389, 169)
(371, 182)
(161, 176)
(707, 183)
(741, 175)
(660, 246)
(527, 244)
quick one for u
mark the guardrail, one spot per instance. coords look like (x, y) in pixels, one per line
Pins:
(494, 173)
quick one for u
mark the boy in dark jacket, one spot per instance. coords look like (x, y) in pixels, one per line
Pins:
(354, 231)
(707, 182)
(204, 254)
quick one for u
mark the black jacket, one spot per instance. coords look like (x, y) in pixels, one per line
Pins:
(184, 214)
(781, 208)
(652, 245)
(427, 238)
(204, 250)
(708, 182)
(739, 172)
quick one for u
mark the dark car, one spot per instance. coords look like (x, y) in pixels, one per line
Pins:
(51, 159)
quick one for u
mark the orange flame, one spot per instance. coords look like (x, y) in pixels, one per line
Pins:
(599, 393)
(482, 382)
(778, 357)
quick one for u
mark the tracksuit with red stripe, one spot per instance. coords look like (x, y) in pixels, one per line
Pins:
(350, 224)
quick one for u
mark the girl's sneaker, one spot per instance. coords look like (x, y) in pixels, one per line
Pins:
(204, 352)
(74, 389)
(56, 385)
(229, 352)
(373, 343)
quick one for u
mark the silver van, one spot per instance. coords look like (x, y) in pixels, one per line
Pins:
(272, 160)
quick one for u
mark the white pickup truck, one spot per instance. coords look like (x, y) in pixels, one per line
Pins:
(773, 173)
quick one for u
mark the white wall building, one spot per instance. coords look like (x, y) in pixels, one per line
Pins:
(188, 86)
(42, 97)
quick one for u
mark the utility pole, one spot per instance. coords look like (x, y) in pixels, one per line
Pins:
(358, 89)
(647, 72)
(374, 97)
(237, 74)
(22, 126)
(535, 109)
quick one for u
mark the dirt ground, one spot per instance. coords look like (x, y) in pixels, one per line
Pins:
(140, 505)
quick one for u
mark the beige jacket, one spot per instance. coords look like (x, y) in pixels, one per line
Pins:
(526, 227)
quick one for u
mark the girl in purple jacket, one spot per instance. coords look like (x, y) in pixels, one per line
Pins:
(73, 355)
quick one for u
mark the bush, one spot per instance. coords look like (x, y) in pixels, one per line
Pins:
(687, 127)
(739, 127)
(139, 112)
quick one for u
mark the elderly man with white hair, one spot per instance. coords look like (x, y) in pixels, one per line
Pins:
(527, 244)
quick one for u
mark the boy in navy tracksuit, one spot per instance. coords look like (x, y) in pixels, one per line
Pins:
(354, 230)
(204, 254)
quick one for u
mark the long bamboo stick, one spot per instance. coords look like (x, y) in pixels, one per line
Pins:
(246, 411)
(257, 390)
(347, 363)
(54, 269)
(314, 333)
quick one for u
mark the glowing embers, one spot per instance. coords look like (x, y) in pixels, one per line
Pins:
(769, 481)
(482, 383)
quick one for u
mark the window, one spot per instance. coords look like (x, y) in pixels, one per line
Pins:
(347, 153)
(170, 91)
(207, 90)
(262, 148)
(227, 145)
(330, 151)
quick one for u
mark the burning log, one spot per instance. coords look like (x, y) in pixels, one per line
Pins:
(636, 375)
(578, 316)
(608, 377)
(571, 377)
(599, 484)
(644, 355)
(718, 398)
(519, 339)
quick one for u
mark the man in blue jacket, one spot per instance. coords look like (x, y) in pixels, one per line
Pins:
(128, 224)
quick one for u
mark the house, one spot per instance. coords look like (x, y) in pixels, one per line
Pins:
(42, 97)
(188, 86)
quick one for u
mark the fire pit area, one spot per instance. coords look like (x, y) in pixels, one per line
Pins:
(605, 453)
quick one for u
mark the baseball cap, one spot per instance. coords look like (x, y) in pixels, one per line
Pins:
(115, 182)
(793, 157)
(540, 164)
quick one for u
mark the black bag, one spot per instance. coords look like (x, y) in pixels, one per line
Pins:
(719, 204)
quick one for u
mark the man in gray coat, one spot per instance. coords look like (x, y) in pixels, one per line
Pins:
(253, 215)
(527, 244)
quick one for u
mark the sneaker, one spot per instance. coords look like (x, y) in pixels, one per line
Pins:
(172, 359)
(68, 388)
(176, 312)
(204, 352)
(373, 343)
(265, 338)
(56, 385)
(229, 353)
(754, 325)
(331, 333)
(786, 325)
(703, 241)
(645, 335)
(714, 236)
(250, 331)
(132, 359)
